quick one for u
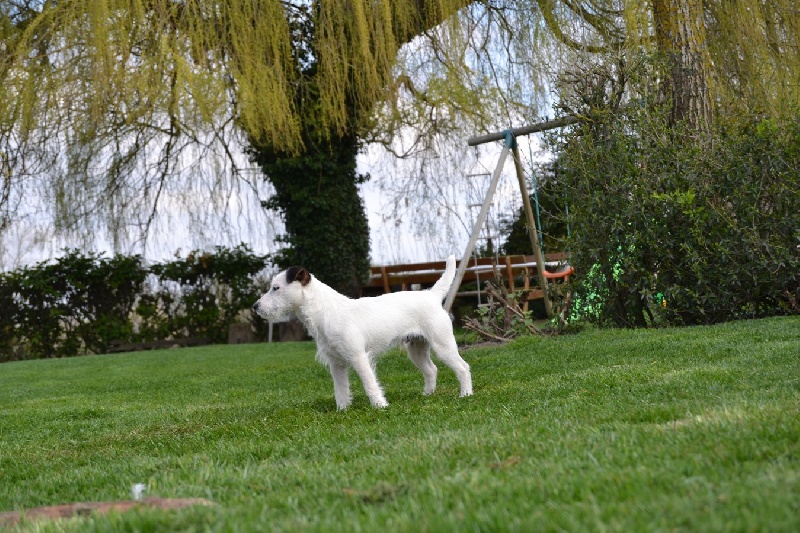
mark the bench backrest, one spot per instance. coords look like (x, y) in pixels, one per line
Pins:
(401, 277)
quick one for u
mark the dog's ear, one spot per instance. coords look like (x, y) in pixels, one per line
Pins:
(298, 274)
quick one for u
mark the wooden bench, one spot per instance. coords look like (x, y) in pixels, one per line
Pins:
(519, 272)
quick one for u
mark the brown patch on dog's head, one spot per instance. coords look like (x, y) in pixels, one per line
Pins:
(298, 273)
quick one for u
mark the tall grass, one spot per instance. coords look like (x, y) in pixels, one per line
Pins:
(693, 429)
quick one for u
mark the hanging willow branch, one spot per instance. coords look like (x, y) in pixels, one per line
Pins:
(92, 90)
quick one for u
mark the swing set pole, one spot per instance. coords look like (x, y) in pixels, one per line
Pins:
(533, 231)
(525, 130)
(510, 137)
(476, 229)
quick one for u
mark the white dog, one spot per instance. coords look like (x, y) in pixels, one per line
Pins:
(352, 333)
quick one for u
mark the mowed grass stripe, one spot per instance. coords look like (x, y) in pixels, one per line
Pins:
(690, 428)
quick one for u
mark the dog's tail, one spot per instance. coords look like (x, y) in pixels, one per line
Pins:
(442, 286)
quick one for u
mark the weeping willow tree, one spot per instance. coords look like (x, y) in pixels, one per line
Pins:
(739, 56)
(104, 102)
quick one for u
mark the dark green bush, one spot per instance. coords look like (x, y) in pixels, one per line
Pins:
(201, 295)
(552, 204)
(78, 303)
(83, 303)
(32, 307)
(670, 228)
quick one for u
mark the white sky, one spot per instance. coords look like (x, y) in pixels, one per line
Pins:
(427, 225)
(450, 213)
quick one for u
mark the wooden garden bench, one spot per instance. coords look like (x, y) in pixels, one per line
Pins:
(518, 272)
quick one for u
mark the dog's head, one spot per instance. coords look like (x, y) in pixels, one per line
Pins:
(285, 295)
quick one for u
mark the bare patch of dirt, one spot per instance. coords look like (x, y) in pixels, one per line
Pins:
(69, 510)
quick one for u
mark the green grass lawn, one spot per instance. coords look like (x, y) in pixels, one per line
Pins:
(694, 429)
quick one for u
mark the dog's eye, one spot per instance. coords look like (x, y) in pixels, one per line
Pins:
(275, 287)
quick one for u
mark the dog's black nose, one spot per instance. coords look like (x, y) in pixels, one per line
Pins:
(255, 306)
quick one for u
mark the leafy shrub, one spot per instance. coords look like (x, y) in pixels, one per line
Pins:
(85, 302)
(673, 229)
(32, 306)
(201, 295)
(80, 302)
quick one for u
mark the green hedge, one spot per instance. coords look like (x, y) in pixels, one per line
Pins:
(668, 228)
(84, 302)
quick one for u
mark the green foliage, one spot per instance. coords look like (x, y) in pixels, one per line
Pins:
(86, 302)
(552, 214)
(671, 229)
(80, 302)
(317, 192)
(147, 79)
(201, 295)
(692, 429)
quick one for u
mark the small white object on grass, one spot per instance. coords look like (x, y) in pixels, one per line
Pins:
(137, 490)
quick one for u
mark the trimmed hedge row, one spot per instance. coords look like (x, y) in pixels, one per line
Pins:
(86, 303)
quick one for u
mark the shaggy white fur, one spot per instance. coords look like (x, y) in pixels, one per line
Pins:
(351, 333)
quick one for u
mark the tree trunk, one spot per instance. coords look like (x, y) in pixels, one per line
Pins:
(326, 225)
(681, 39)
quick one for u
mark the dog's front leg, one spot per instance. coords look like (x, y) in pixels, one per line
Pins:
(363, 368)
(341, 384)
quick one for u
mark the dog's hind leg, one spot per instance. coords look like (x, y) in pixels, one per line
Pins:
(341, 383)
(439, 333)
(447, 350)
(419, 351)
(361, 364)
